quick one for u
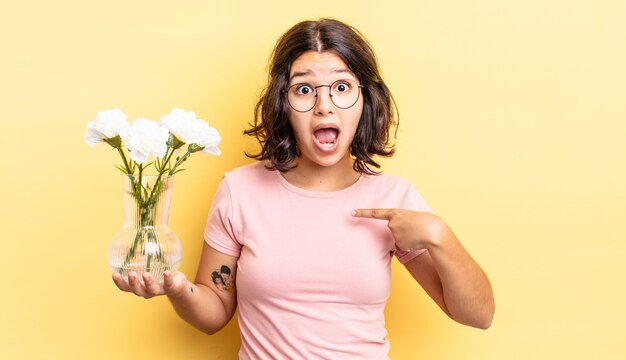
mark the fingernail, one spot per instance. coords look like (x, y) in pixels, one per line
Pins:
(353, 213)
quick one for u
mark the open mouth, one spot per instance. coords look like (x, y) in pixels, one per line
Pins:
(326, 137)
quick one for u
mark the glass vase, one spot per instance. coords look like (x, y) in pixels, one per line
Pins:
(145, 243)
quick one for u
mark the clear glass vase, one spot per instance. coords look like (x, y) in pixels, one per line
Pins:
(145, 243)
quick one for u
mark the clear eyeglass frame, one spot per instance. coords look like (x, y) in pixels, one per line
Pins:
(330, 87)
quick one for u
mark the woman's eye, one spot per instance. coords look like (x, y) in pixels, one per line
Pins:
(342, 86)
(304, 89)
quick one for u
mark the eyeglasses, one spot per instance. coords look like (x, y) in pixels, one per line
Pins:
(302, 97)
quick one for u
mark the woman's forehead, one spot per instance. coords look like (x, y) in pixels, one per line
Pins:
(314, 64)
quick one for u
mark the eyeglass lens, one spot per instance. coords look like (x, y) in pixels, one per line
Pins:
(343, 93)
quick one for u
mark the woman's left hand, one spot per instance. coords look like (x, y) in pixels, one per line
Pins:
(411, 229)
(448, 273)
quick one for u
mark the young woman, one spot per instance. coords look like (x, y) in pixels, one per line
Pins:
(301, 241)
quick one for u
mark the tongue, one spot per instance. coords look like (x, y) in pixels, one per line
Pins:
(326, 135)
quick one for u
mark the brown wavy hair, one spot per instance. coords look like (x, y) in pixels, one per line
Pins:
(271, 114)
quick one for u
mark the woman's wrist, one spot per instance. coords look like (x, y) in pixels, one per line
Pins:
(185, 290)
(439, 232)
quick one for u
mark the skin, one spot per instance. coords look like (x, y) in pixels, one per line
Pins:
(319, 170)
(446, 271)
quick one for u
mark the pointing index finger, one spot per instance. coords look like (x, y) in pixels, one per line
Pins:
(382, 214)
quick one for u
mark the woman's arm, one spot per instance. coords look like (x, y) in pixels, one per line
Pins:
(208, 304)
(455, 281)
(446, 271)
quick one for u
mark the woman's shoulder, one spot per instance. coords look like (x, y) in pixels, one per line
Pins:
(395, 188)
(251, 168)
(387, 180)
(255, 173)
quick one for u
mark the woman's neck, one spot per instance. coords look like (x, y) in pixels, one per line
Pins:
(310, 176)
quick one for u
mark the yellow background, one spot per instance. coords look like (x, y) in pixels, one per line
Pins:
(513, 126)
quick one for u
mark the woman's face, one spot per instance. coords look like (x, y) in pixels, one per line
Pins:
(324, 134)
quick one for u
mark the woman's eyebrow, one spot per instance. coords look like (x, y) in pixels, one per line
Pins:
(299, 73)
(309, 72)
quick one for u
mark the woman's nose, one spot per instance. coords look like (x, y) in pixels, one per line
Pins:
(324, 103)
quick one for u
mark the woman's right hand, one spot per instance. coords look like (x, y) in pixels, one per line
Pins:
(173, 284)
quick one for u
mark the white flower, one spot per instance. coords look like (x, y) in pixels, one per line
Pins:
(176, 122)
(108, 124)
(145, 137)
(190, 130)
(205, 136)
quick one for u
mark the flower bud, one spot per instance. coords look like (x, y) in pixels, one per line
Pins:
(194, 148)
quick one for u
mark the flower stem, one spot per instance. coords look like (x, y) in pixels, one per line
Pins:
(179, 162)
(131, 251)
(157, 183)
(126, 166)
(148, 263)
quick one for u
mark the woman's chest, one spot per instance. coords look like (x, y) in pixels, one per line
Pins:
(319, 255)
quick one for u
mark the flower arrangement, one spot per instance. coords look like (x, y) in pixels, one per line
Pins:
(144, 139)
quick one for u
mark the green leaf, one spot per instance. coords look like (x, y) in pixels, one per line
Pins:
(120, 169)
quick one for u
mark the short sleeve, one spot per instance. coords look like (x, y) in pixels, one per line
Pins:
(219, 232)
(415, 202)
